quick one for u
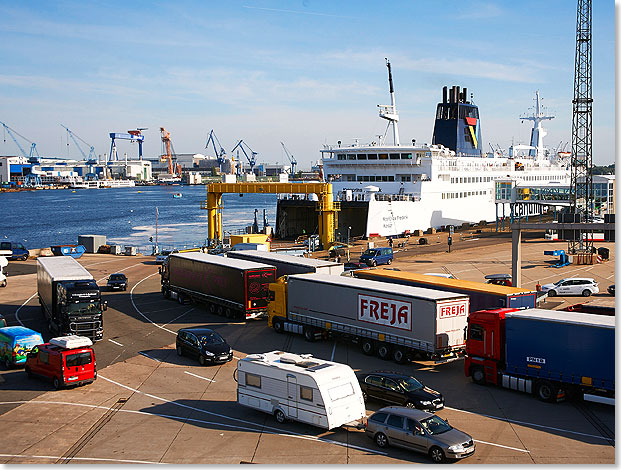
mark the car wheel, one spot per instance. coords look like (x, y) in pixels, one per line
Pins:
(201, 360)
(309, 334)
(278, 325)
(280, 416)
(409, 404)
(398, 355)
(383, 351)
(586, 293)
(389, 261)
(436, 454)
(367, 347)
(179, 351)
(546, 391)
(381, 440)
(56, 383)
(478, 376)
(552, 293)
(373, 263)
(24, 258)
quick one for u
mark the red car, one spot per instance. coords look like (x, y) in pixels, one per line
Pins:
(66, 360)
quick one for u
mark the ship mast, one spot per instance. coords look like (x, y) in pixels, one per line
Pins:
(538, 132)
(389, 112)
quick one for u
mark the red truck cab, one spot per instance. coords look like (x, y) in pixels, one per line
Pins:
(485, 345)
(65, 360)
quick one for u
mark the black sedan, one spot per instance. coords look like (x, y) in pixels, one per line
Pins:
(400, 389)
(117, 281)
(204, 344)
(611, 289)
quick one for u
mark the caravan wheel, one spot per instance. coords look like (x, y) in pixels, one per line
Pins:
(280, 416)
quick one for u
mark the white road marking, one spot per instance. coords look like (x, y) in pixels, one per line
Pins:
(20, 307)
(131, 297)
(529, 424)
(333, 351)
(198, 376)
(263, 427)
(150, 357)
(112, 341)
(504, 447)
(86, 459)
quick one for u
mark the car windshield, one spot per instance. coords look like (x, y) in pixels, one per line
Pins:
(435, 425)
(212, 338)
(410, 384)
(560, 282)
(369, 253)
(117, 277)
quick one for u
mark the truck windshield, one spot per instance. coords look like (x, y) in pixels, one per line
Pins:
(435, 425)
(83, 307)
(78, 359)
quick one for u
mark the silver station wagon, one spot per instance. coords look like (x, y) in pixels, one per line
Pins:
(420, 431)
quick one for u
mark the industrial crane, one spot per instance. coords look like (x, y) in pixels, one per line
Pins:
(220, 154)
(292, 160)
(168, 153)
(252, 159)
(91, 153)
(33, 147)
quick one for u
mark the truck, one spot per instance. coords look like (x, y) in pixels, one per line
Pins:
(300, 387)
(4, 262)
(231, 287)
(543, 352)
(394, 322)
(70, 298)
(482, 296)
(289, 264)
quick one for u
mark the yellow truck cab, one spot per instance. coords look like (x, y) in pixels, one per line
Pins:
(277, 303)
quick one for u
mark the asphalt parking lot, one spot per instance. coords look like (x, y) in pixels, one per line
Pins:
(150, 406)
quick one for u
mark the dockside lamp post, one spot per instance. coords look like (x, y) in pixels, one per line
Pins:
(348, 234)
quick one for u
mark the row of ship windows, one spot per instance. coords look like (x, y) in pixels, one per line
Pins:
(464, 194)
(485, 179)
(379, 156)
(373, 178)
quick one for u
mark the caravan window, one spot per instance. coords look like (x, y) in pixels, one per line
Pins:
(253, 380)
(341, 391)
(306, 393)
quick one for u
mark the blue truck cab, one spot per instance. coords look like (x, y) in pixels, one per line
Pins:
(15, 344)
(375, 256)
(18, 249)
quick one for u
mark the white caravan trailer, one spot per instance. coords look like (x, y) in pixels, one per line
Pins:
(300, 388)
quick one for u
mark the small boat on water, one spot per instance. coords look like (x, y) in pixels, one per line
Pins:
(177, 195)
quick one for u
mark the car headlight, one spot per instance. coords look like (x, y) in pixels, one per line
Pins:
(456, 448)
(425, 402)
(208, 353)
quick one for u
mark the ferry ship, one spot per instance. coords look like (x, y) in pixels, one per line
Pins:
(388, 190)
(95, 184)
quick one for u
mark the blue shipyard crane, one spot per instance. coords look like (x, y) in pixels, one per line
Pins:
(90, 160)
(291, 158)
(133, 136)
(252, 158)
(33, 147)
(220, 154)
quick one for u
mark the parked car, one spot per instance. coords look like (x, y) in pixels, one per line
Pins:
(572, 286)
(375, 256)
(161, 257)
(18, 249)
(205, 344)
(15, 343)
(65, 360)
(611, 289)
(117, 281)
(399, 389)
(419, 431)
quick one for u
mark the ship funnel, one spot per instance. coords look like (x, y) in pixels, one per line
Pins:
(444, 90)
(464, 95)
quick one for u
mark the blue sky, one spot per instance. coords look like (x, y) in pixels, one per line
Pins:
(306, 73)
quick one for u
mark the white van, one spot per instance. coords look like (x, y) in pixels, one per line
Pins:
(300, 388)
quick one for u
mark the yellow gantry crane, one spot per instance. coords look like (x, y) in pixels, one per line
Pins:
(327, 208)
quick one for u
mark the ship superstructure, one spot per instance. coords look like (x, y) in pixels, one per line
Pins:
(409, 187)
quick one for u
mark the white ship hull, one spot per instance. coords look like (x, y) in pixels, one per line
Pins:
(95, 184)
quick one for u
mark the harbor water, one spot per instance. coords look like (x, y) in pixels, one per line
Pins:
(126, 216)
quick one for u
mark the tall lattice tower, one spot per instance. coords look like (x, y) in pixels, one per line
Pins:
(581, 150)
